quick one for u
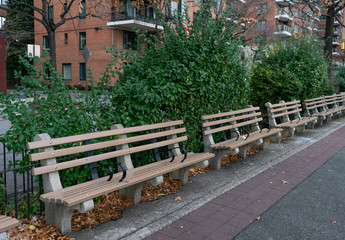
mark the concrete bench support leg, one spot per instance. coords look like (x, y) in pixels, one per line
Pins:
(275, 138)
(61, 215)
(301, 128)
(243, 151)
(289, 132)
(181, 174)
(134, 191)
(3, 236)
(261, 144)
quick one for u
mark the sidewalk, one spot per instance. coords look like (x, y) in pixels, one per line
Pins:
(221, 204)
(314, 210)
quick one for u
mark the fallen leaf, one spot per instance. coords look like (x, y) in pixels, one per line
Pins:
(177, 198)
(158, 212)
(285, 182)
(330, 170)
(258, 218)
(181, 227)
(32, 227)
(333, 222)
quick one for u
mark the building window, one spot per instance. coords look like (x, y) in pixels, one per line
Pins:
(2, 22)
(150, 13)
(302, 30)
(66, 71)
(130, 40)
(3, 2)
(261, 25)
(51, 13)
(82, 40)
(82, 72)
(66, 38)
(82, 11)
(304, 16)
(46, 75)
(296, 28)
(45, 42)
(296, 13)
(262, 9)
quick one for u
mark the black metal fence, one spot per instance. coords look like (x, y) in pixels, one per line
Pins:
(20, 185)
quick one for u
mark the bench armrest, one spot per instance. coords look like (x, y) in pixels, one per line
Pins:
(111, 172)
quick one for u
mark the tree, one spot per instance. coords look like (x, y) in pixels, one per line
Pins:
(18, 32)
(332, 8)
(42, 12)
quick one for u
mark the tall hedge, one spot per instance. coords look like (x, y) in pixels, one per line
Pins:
(294, 69)
(195, 69)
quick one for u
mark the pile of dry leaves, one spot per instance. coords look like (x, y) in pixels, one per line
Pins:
(107, 207)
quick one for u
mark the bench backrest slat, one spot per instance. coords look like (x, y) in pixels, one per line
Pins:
(90, 136)
(284, 104)
(104, 156)
(225, 114)
(233, 126)
(285, 113)
(227, 120)
(285, 108)
(102, 145)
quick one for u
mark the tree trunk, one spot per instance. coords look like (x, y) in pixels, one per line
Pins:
(52, 47)
(329, 39)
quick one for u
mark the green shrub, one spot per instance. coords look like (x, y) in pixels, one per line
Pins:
(189, 73)
(2, 196)
(294, 69)
(340, 79)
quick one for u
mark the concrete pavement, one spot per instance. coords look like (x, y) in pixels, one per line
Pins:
(221, 204)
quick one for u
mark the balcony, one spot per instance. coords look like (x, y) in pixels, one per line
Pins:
(336, 33)
(335, 53)
(317, 19)
(283, 15)
(336, 22)
(336, 41)
(128, 18)
(283, 30)
(284, 3)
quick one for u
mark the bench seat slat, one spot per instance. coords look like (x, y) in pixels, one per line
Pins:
(104, 156)
(95, 146)
(157, 169)
(89, 136)
(225, 114)
(232, 143)
(234, 126)
(218, 122)
(7, 223)
(296, 122)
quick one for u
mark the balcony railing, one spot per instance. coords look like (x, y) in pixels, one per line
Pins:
(284, 2)
(336, 41)
(284, 15)
(129, 18)
(284, 30)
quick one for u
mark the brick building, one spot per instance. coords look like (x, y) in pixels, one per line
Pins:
(116, 28)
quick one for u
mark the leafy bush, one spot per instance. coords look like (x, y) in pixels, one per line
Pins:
(294, 69)
(2, 196)
(195, 69)
(54, 112)
(340, 79)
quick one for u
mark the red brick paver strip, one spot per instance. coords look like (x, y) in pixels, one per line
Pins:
(227, 215)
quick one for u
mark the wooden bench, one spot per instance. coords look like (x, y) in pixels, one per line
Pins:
(227, 126)
(341, 101)
(160, 138)
(7, 223)
(316, 107)
(286, 115)
(332, 105)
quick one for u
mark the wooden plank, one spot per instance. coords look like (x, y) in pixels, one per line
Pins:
(8, 223)
(286, 108)
(89, 136)
(313, 99)
(229, 127)
(283, 104)
(296, 123)
(104, 156)
(160, 168)
(225, 114)
(227, 120)
(254, 136)
(286, 113)
(95, 146)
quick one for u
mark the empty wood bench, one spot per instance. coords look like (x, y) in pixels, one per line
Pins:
(287, 115)
(316, 107)
(119, 148)
(221, 133)
(7, 223)
(341, 101)
(332, 105)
